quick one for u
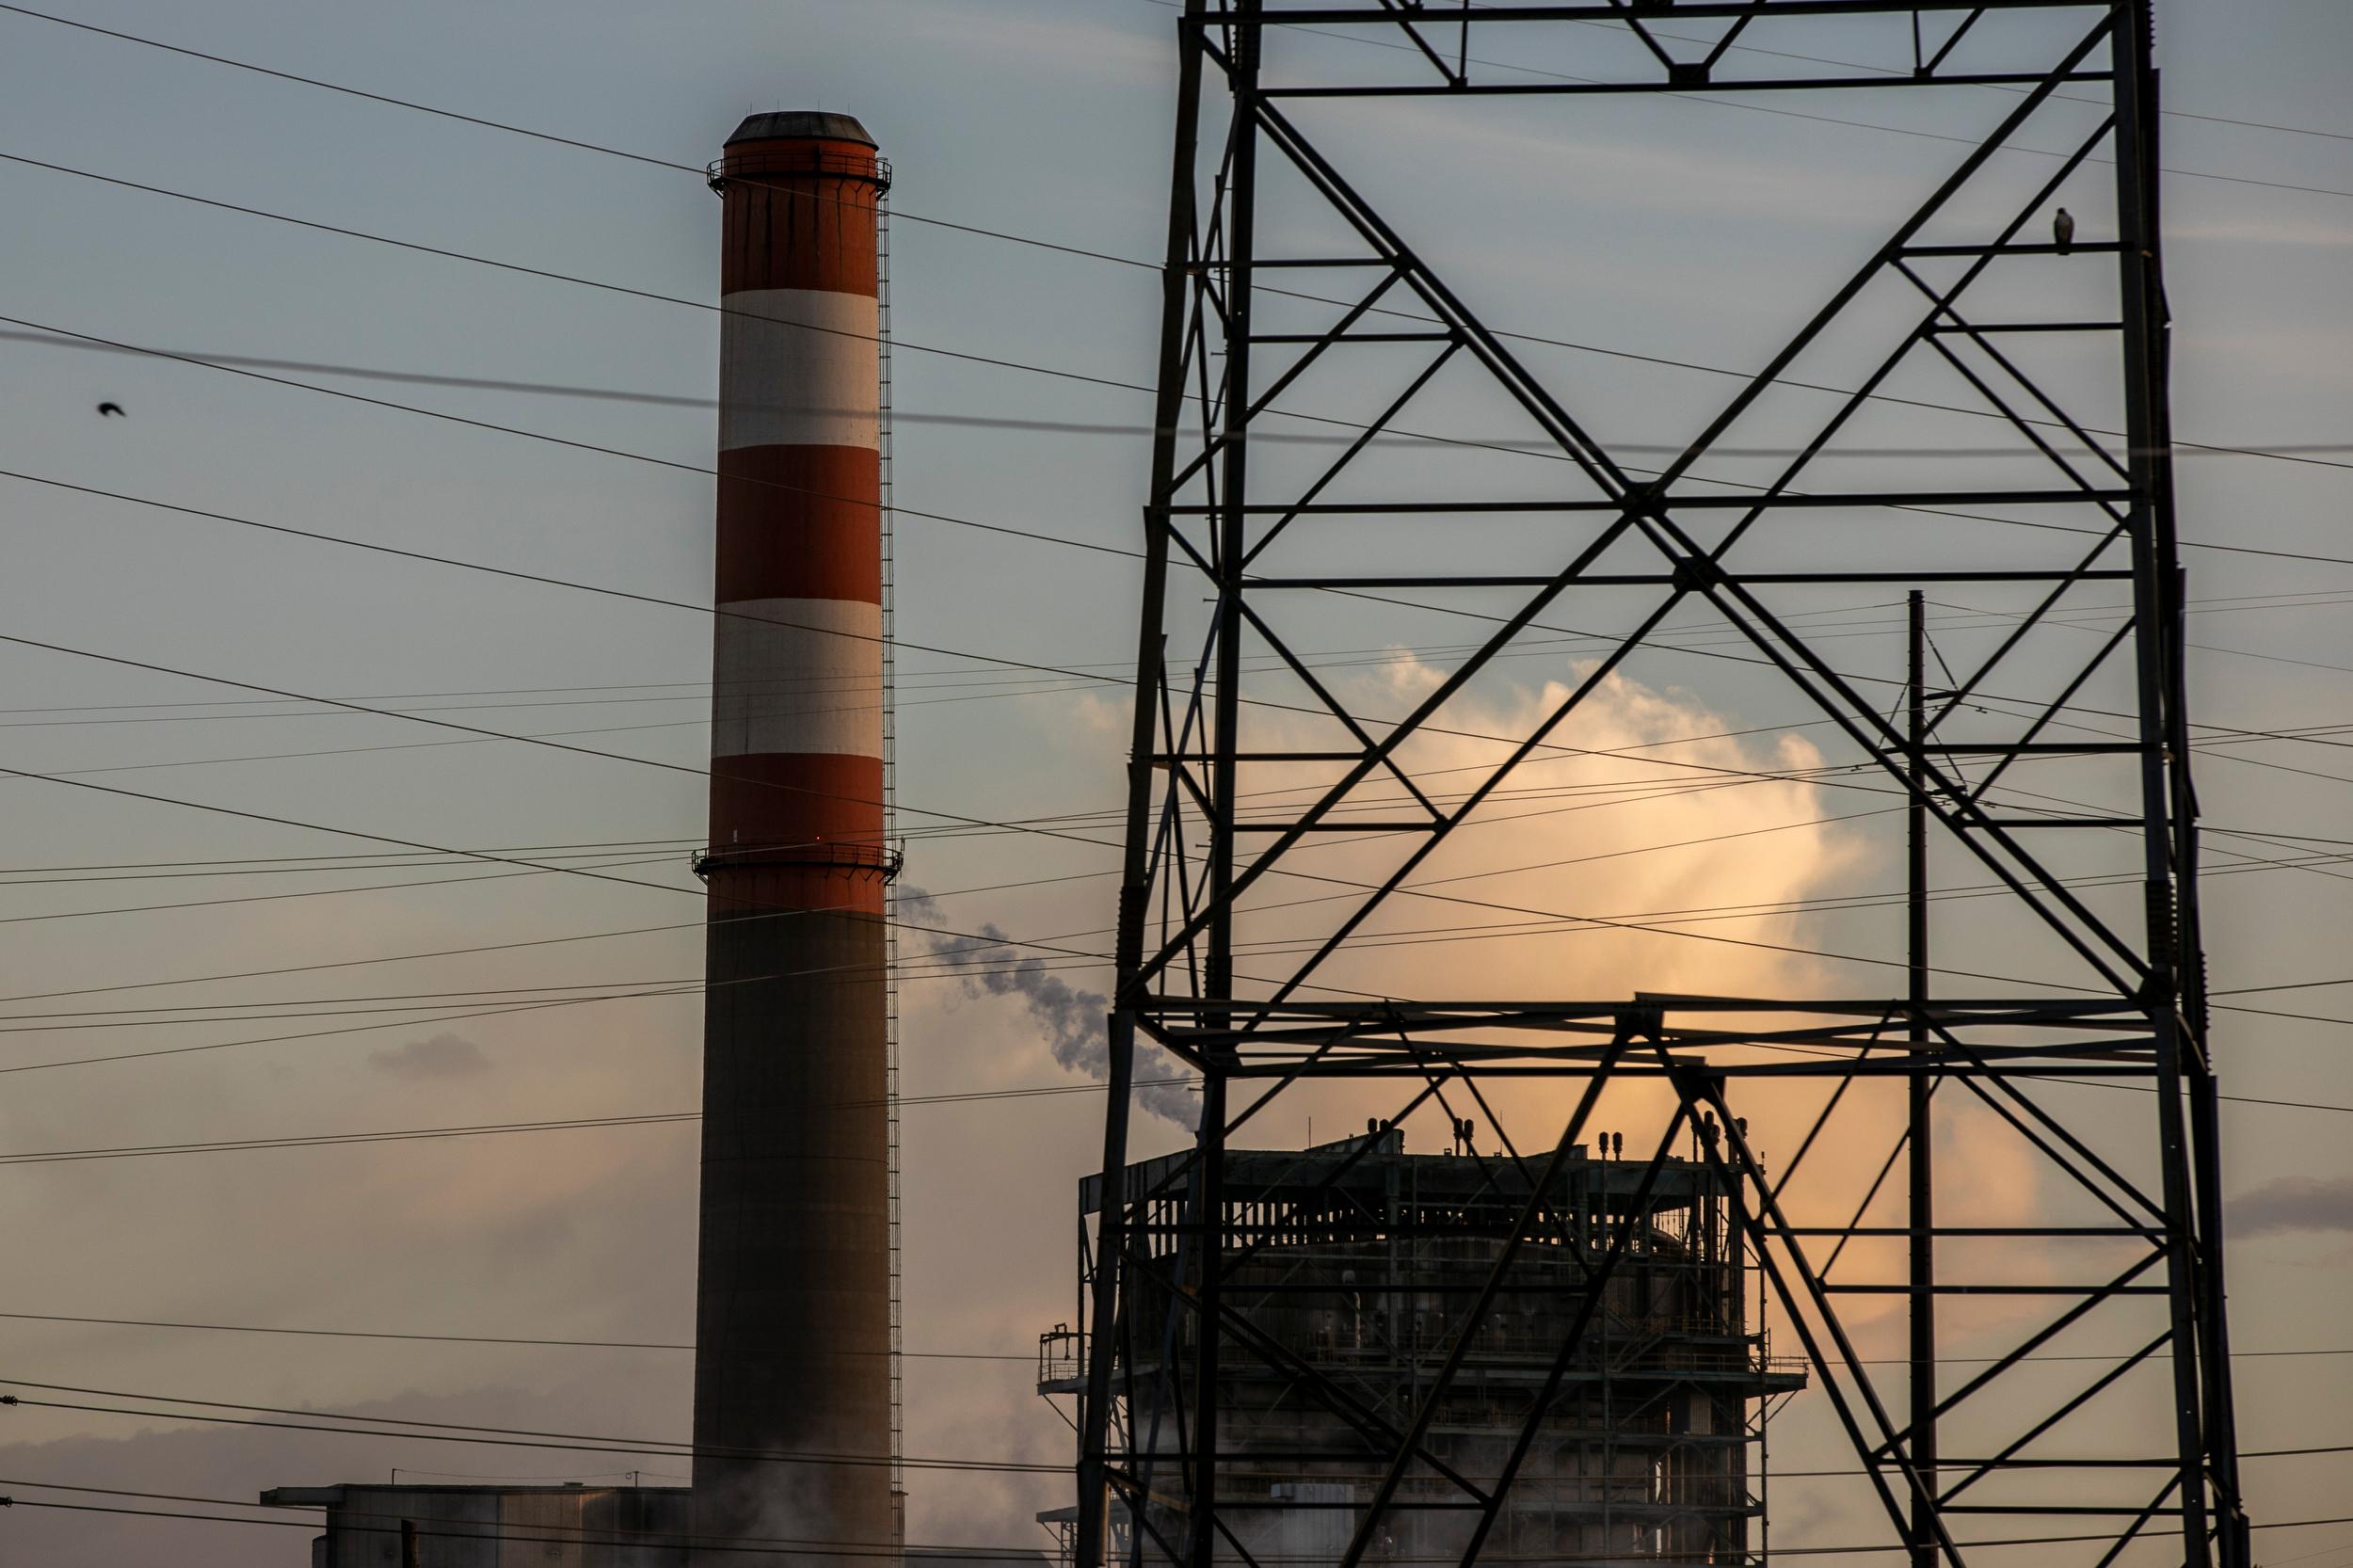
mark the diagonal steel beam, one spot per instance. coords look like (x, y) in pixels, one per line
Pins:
(1467, 1326)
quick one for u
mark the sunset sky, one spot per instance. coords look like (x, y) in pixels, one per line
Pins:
(1689, 230)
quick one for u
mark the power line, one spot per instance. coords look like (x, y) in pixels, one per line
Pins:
(1011, 1555)
(648, 1118)
(1033, 534)
(368, 1426)
(678, 1117)
(1055, 670)
(971, 686)
(431, 413)
(699, 169)
(376, 859)
(1834, 903)
(345, 832)
(702, 609)
(1585, 919)
(984, 942)
(897, 343)
(969, 228)
(1022, 1358)
(430, 954)
(252, 366)
(1008, 1557)
(453, 952)
(459, 1431)
(904, 415)
(488, 734)
(279, 693)
(350, 91)
(471, 1529)
(411, 715)
(612, 451)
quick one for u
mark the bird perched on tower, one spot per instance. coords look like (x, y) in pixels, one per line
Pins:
(2063, 231)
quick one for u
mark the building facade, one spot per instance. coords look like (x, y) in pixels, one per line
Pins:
(1356, 1260)
(494, 1527)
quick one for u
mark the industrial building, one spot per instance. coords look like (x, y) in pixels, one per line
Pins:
(544, 1526)
(494, 1527)
(1355, 1259)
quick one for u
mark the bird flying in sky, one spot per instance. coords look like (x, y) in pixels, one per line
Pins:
(115, 409)
(2063, 230)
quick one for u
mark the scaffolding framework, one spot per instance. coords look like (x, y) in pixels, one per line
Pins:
(1240, 534)
(1349, 1257)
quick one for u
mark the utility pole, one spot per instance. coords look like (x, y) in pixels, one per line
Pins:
(1920, 1142)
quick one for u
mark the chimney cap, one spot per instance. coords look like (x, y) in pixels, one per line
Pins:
(801, 124)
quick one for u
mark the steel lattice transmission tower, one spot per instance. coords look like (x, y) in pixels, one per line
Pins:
(1278, 830)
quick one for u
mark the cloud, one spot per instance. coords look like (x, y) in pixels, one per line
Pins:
(442, 1056)
(2292, 1204)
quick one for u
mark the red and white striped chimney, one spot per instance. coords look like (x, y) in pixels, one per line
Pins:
(793, 1291)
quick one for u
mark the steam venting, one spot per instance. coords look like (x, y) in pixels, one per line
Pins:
(1075, 1022)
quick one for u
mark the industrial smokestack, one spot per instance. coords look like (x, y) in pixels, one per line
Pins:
(792, 1296)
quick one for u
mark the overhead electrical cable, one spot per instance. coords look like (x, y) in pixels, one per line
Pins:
(433, 953)
(1028, 1358)
(253, 366)
(1044, 244)
(1435, 730)
(1032, 535)
(565, 1124)
(1549, 746)
(347, 91)
(364, 1522)
(361, 1425)
(1015, 1556)
(1548, 915)
(902, 414)
(357, 1425)
(651, 1118)
(1827, 903)
(987, 942)
(555, 1536)
(2318, 734)
(578, 870)
(585, 146)
(541, 436)
(964, 962)
(343, 832)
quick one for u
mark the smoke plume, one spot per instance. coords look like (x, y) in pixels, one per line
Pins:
(1074, 1021)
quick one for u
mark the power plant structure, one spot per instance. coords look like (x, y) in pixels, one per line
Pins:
(793, 1319)
(1345, 1263)
(1531, 1349)
(795, 1424)
(453, 1525)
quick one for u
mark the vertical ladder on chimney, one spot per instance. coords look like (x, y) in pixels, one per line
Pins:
(891, 828)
